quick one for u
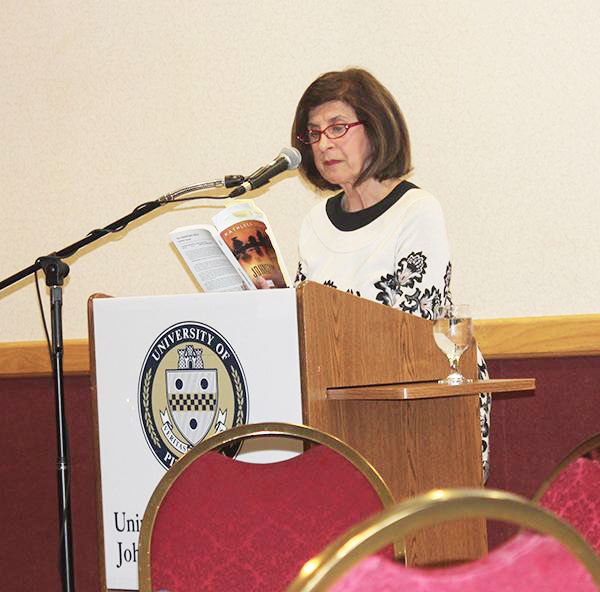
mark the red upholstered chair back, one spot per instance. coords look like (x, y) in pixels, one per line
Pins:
(215, 523)
(572, 490)
(555, 561)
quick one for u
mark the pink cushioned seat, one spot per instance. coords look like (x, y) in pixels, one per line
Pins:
(527, 563)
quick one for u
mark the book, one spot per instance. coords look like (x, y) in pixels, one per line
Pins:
(237, 252)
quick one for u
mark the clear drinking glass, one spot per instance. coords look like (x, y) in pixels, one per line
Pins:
(453, 334)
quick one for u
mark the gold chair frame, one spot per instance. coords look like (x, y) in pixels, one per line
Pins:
(422, 511)
(233, 436)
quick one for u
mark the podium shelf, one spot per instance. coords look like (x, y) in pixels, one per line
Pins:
(428, 390)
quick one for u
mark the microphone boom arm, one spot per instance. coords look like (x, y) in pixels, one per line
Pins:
(92, 236)
(121, 223)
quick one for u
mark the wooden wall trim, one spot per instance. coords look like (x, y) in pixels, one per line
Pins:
(31, 358)
(537, 337)
(531, 337)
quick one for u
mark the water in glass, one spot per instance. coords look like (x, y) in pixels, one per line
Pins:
(453, 334)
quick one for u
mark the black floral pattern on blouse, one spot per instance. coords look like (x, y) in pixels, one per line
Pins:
(300, 277)
(447, 276)
(485, 406)
(422, 303)
(400, 290)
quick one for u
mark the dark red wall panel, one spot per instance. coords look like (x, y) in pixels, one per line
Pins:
(532, 432)
(29, 547)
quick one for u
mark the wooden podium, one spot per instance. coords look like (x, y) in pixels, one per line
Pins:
(369, 375)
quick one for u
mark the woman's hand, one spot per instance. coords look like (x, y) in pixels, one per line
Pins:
(263, 284)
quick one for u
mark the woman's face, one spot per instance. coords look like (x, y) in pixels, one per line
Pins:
(341, 160)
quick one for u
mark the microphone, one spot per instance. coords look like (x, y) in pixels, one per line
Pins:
(288, 158)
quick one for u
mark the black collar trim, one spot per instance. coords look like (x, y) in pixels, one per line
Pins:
(347, 221)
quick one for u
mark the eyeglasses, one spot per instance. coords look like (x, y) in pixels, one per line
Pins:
(333, 131)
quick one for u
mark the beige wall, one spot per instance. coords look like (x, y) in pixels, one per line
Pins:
(105, 105)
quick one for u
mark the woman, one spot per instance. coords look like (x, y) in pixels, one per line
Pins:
(381, 237)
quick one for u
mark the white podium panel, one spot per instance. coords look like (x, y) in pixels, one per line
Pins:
(173, 370)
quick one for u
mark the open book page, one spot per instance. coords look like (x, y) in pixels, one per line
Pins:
(245, 230)
(209, 260)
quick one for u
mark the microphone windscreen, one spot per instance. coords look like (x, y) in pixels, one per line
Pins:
(293, 156)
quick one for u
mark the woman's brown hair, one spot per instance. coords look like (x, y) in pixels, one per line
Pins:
(375, 106)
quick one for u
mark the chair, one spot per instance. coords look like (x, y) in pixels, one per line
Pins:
(572, 490)
(215, 523)
(558, 560)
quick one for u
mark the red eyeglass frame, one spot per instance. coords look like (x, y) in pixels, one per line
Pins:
(321, 132)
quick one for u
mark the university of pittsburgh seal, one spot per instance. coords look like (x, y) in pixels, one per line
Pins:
(191, 386)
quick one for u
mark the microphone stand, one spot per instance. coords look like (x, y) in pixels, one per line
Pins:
(55, 271)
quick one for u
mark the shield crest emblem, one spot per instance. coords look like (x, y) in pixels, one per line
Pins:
(192, 395)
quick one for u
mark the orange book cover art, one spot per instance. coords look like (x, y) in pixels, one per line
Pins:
(252, 247)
